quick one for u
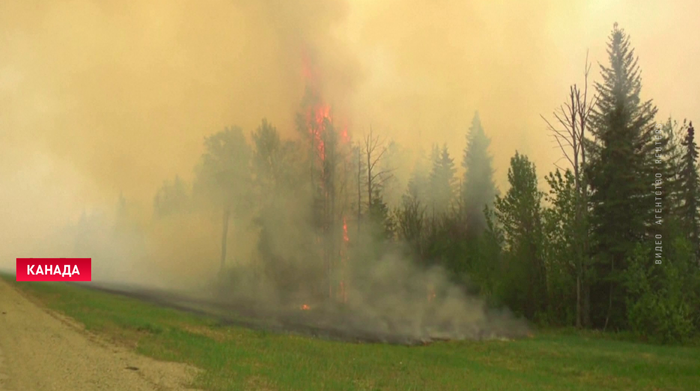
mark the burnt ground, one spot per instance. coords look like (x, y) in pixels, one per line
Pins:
(330, 322)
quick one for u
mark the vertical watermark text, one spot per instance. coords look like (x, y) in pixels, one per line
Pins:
(658, 199)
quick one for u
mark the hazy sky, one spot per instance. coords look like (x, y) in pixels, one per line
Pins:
(98, 97)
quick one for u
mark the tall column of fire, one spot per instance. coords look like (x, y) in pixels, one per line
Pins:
(328, 179)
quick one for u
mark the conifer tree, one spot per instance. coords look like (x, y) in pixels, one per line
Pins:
(689, 188)
(442, 180)
(478, 188)
(673, 160)
(621, 175)
(418, 182)
(519, 214)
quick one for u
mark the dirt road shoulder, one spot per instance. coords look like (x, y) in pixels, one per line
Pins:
(40, 350)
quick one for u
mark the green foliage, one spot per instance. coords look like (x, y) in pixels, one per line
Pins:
(660, 307)
(621, 172)
(419, 184)
(673, 159)
(278, 174)
(267, 156)
(589, 244)
(442, 180)
(410, 223)
(381, 221)
(445, 243)
(690, 189)
(223, 173)
(519, 214)
(478, 189)
(564, 231)
(487, 261)
(276, 165)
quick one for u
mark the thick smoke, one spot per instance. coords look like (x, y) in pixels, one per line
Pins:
(99, 99)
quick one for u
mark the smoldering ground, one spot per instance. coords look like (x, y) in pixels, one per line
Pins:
(392, 300)
(110, 97)
(457, 318)
(275, 277)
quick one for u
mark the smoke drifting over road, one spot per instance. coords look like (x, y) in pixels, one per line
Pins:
(99, 99)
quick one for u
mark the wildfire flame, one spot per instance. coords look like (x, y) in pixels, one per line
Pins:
(305, 307)
(346, 240)
(344, 135)
(319, 121)
(319, 111)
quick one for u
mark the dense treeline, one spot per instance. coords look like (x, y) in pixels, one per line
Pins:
(613, 243)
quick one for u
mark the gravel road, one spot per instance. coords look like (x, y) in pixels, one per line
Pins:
(43, 351)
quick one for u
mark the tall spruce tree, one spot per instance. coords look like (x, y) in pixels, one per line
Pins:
(442, 180)
(689, 189)
(478, 189)
(621, 175)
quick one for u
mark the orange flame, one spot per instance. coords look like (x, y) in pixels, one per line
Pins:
(305, 307)
(318, 118)
(317, 126)
(319, 112)
(346, 238)
(344, 135)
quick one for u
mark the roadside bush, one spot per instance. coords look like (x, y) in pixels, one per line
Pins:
(659, 306)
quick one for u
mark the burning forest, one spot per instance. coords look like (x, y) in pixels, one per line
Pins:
(307, 239)
(364, 170)
(349, 272)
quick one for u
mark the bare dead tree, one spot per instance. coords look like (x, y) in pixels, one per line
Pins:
(374, 150)
(585, 108)
(360, 181)
(569, 132)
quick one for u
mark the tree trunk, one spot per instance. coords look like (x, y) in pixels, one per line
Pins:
(224, 238)
(359, 193)
(610, 295)
(586, 305)
(578, 301)
(369, 181)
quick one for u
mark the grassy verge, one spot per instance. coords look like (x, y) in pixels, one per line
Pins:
(241, 359)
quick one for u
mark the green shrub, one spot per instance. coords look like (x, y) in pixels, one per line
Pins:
(659, 307)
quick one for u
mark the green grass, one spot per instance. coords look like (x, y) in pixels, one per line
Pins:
(240, 359)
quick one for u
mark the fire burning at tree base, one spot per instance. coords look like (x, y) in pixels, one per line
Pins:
(324, 262)
(312, 248)
(377, 308)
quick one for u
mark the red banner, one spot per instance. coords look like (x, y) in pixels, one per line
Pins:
(54, 269)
